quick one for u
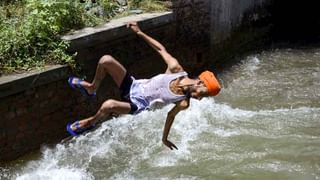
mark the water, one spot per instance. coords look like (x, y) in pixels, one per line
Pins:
(265, 124)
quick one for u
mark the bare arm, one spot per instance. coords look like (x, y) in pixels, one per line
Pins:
(170, 118)
(173, 64)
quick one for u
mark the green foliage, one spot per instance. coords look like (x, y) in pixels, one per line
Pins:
(31, 29)
(110, 8)
(148, 5)
(33, 39)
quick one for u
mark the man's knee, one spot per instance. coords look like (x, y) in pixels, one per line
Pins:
(106, 59)
(109, 106)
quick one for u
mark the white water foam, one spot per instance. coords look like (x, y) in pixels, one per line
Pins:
(131, 140)
(57, 174)
(135, 139)
(251, 64)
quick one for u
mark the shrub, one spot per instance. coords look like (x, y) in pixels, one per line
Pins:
(31, 29)
(33, 40)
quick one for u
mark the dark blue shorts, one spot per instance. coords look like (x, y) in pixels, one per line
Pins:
(125, 92)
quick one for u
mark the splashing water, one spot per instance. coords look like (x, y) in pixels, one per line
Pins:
(264, 124)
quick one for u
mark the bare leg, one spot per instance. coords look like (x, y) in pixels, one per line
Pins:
(108, 107)
(107, 65)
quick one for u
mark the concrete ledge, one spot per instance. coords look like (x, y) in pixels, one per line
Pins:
(13, 84)
(115, 29)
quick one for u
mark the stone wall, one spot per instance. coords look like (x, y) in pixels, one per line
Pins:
(38, 113)
(227, 15)
(238, 27)
(216, 31)
(193, 32)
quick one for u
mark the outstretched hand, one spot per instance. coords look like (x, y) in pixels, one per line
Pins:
(169, 144)
(134, 26)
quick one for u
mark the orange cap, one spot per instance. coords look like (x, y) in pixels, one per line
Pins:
(210, 82)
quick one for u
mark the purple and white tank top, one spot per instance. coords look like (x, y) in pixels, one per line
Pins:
(147, 92)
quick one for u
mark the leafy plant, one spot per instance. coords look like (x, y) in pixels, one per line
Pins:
(34, 40)
(31, 29)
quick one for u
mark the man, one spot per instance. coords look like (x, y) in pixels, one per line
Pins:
(174, 86)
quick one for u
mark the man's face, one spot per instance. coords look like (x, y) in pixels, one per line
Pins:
(199, 90)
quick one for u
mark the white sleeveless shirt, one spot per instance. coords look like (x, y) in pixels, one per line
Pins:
(145, 93)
